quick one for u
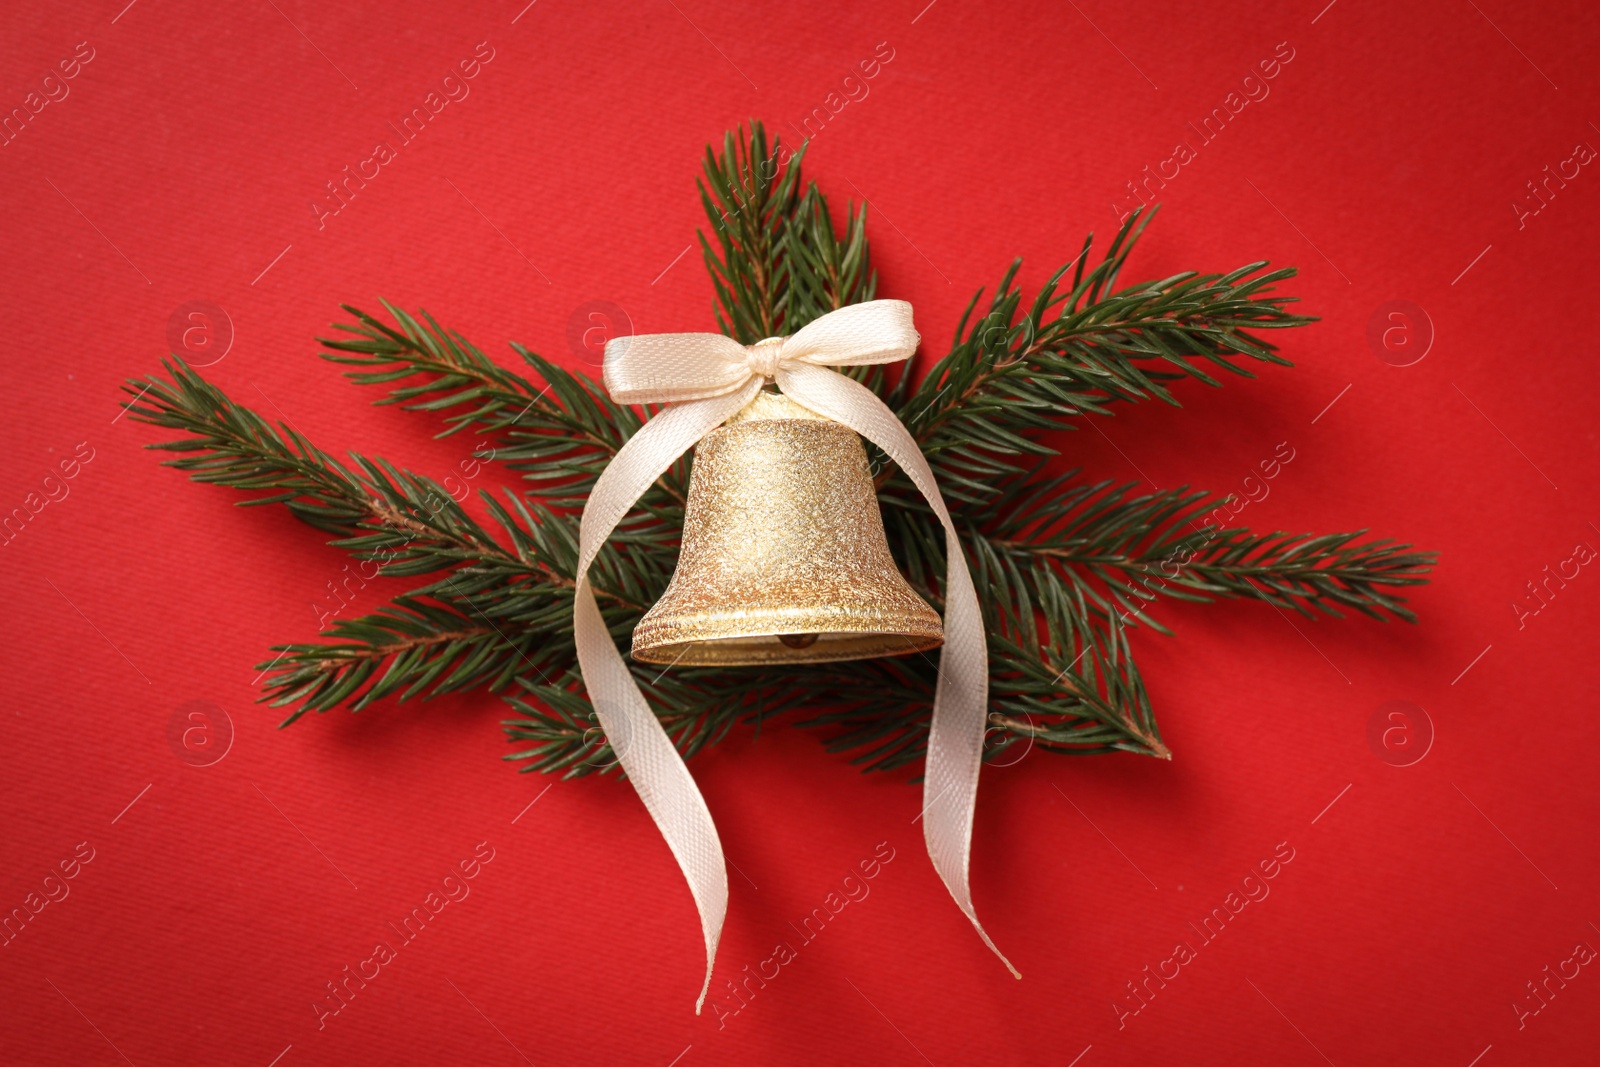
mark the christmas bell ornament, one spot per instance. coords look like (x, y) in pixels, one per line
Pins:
(784, 557)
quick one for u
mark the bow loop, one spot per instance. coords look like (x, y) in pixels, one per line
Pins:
(666, 368)
(878, 331)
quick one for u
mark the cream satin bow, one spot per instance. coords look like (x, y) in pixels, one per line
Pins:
(706, 378)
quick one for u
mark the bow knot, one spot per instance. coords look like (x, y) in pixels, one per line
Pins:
(765, 356)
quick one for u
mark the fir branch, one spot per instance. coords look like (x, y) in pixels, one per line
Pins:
(828, 270)
(403, 650)
(1056, 664)
(1017, 370)
(749, 195)
(697, 707)
(375, 510)
(459, 373)
(1122, 552)
(483, 624)
(1060, 679)
(569, 435)
(559, 437)
(482, 619)
(778, 261)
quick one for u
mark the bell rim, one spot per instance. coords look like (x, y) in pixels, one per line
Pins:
(730, 651)
(911, 618)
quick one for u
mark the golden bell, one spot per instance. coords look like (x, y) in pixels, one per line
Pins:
(784, 559)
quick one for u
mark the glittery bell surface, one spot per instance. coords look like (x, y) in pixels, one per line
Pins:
(784, 558)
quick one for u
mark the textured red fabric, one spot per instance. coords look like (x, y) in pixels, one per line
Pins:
(1412, 913)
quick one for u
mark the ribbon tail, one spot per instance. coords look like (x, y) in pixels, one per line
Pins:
(657, 772)
(637, 737)
(961, 699)
(955, 735)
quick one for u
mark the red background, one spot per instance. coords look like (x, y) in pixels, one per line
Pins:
(180, 168)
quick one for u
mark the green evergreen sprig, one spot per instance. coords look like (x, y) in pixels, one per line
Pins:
(778, 262)
(1124, 551)
(1022, 369)
(1066, 568)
